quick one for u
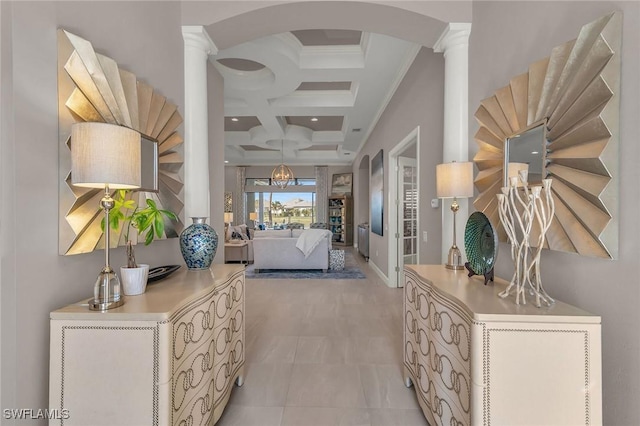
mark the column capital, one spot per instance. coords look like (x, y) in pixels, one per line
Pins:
(456, 34)
(196, 36)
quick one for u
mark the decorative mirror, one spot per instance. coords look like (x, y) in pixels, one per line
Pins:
(150, 162)
(526, 150)
(572, 99)
(91, 87)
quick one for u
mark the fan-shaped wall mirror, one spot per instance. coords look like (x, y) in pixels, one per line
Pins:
(91, 87)
(568, 106)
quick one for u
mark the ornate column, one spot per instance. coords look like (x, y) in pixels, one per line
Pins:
(454, 43)
(197, 48)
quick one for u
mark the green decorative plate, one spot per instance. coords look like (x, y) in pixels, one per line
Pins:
(480, 245)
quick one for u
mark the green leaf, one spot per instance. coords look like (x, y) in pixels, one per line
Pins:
(146, 222)
(129, 205)
(152, 204)
(114, 221)
(149, 237)
(169, 214)
(159, 225)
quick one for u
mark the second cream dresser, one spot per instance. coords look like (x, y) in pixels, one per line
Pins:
(477, 359)
(167, 357)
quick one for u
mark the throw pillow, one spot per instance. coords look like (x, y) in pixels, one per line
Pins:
(239, 232)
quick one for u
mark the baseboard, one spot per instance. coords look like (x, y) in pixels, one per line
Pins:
(380, 274)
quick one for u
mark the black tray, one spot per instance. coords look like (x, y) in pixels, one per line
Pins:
(160, 272)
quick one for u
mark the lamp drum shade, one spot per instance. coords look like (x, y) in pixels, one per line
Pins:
(454, 180)
(105, 154)
(253, 216)
(228, 217)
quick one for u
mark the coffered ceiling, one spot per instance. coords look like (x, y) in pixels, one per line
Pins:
(316, 93)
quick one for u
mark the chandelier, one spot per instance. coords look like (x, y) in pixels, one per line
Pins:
(281, 174)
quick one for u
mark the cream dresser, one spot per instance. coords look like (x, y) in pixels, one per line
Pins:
(166, 357)
(477, 359)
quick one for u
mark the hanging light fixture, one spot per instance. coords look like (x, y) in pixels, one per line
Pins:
(281, 174)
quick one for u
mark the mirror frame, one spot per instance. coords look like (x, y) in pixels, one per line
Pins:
(92, 88)
(577, 91)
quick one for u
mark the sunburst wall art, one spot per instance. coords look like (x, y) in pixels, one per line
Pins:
(575, 91)
(91, 87)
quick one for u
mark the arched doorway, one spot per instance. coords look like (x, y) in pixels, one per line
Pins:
(423, 24)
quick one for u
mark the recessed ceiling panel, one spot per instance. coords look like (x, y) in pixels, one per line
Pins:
(254, 148)
(320, 81)
(323, 123)
(241, 64)
(240, 124)
(325, 85)
(321, 148)
(328, 37)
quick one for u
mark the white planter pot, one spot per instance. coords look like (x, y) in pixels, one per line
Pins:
(134, 280)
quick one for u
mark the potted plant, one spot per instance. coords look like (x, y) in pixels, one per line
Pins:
(147, 221)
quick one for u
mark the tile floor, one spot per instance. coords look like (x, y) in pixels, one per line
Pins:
(322, 352)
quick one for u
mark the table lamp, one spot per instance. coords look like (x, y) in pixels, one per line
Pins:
(253, 216)
(228, 217)
(454, 180)
(105, 156)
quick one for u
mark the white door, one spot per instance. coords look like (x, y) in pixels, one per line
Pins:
(407, 237)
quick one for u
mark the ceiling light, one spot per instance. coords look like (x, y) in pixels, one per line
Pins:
(226, 161)
(314, 118)
(234, 119)
(535, 152)
(356, 130)
(282, 174)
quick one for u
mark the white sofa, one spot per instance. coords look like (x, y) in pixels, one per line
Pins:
(276, 249)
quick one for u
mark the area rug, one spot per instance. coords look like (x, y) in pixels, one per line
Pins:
(351, 271)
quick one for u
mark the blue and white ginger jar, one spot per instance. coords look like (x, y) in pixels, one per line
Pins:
(198, 244)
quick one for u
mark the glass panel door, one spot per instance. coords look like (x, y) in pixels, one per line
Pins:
(407, 214)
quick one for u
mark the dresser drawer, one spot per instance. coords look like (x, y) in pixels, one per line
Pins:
(437, 407)
(192, 328)
(448, 326)
(191, 382)
(450, 376)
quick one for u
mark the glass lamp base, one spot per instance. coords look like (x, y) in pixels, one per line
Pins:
(106, 292)
(99, 306)
(454, 260)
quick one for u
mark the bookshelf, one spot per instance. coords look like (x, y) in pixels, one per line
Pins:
(341, 219)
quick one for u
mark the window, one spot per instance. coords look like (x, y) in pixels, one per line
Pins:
(277, 207)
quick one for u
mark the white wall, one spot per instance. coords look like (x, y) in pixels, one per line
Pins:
(418, 101)
(7, 216)
(143, 37)
(508, 36)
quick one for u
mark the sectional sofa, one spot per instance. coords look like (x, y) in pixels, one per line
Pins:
(276, 249)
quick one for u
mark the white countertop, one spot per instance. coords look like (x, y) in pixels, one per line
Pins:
(483, 303)
(161, 298)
